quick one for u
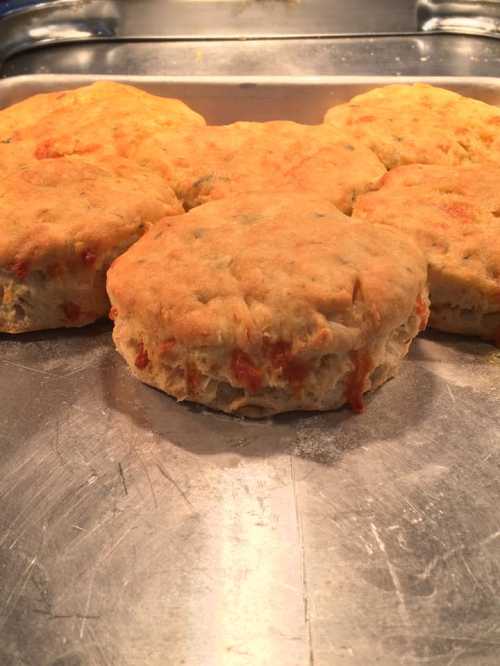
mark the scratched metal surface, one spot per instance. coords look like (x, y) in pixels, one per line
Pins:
(135, 531)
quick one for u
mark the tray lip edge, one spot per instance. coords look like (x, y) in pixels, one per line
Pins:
(259, 80)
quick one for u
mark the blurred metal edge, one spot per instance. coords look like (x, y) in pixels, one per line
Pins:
(27, 26)
(459, 17)
(31, 25)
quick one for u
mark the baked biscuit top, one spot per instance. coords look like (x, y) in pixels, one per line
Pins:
(250, 271)
(408, 124)
(96, 120)
(454, 214)
(207, 163)
(67, 210)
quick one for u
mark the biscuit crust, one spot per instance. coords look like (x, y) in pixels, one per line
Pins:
(419, 123)
(259, 305)
(454, 215)
(208, 163)
(63, 222)
(96, 121)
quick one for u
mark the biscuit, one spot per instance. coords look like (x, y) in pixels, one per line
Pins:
(207, 163)
(454, 215)
(267, 303)
(63, 222)
(102, 119)
(14, 157)
(409, 124)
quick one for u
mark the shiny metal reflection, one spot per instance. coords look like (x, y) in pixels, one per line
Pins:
(470, 17)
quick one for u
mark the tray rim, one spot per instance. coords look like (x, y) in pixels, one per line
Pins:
(231, 80)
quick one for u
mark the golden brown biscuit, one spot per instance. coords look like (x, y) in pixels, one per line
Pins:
(263, 304)
(408, 124)
(62, 223)
(454, 215)
(207, 163)
(98, 120)
(13, 157)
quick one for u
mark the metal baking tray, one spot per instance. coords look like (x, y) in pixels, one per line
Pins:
(135, 531)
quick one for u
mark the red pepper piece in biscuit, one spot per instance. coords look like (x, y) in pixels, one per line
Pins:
(422, 312)
(142, 359)
(355, 381)
(293, 370)
(45, 150)
(21, 269)
(245, 372)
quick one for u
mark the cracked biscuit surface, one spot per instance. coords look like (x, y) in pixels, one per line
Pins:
(207, 163)
(419, 123)
(454, 215)
(63, 222)
(263, 304)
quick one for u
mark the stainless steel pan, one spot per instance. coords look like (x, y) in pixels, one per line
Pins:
(140, 532)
